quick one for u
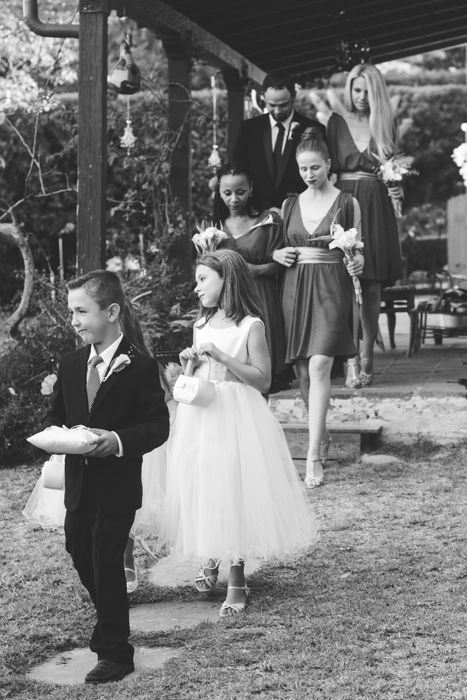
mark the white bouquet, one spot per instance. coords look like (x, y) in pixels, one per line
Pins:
(207, 241)
(392, 171)
(349, 242)
(459, 156)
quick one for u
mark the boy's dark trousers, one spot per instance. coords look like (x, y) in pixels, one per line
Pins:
(103, 494)
(96, 542)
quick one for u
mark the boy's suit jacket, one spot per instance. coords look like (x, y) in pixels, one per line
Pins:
(130, 402)
(253, 150)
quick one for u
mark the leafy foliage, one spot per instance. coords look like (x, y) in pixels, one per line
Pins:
(437, 114)
(46, 336)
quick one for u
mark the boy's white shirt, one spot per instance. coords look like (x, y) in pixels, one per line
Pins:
(106, 356)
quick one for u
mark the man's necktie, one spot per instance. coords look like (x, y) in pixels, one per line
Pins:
(277, 153)
(94, 381)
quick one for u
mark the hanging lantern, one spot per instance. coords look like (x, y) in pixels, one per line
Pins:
(125, 77)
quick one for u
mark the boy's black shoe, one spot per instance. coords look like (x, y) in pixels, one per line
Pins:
(106, 671)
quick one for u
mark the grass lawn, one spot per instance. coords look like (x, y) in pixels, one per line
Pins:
(378, 610)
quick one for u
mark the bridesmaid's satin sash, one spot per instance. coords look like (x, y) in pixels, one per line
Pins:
(318, 255)
(357, 175)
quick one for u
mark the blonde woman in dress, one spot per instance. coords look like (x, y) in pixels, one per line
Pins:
(359, 138)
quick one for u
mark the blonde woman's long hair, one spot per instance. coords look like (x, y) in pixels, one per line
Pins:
(383, 128)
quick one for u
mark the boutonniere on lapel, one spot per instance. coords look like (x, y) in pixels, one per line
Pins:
(293, 130)
(117, 365)
(267, 221)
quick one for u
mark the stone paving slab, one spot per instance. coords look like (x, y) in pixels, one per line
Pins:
(70, 667)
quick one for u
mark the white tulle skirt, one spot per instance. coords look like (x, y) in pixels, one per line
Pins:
(148, 518)
(45, 507)
(232, 489)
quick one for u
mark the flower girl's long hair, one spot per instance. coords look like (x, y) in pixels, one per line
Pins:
(133, 331)
(238, 297)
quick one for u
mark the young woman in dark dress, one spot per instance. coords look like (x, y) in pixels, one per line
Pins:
(255, 235)
(317, 294)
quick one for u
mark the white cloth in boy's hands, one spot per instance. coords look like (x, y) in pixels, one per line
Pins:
(72, 441)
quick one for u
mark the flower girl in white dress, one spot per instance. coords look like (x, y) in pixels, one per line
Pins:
(232, 490)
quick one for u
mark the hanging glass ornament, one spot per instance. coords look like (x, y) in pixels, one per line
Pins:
(215, 159)
(128, 139)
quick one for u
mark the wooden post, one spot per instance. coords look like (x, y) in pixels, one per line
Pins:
(235, 105)
(179, 124)
(92, 139)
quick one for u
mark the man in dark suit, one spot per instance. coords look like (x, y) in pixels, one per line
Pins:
(266, 144)
(113, 389)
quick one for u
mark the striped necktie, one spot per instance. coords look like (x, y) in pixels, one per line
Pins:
(94, 381)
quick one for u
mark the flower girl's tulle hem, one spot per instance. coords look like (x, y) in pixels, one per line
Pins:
(45, 507)
(232, 489)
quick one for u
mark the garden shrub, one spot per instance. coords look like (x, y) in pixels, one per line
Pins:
(46, 335)
(429, 254)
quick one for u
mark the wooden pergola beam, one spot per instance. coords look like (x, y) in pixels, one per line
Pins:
(159, 17)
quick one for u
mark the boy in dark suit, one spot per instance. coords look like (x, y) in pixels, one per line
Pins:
(266, 145)
(113, 389)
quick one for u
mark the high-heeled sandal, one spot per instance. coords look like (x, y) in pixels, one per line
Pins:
(353, 374)
(206, 582)
(366, 378)
(324, 450)
(312, 482)
(231, 609)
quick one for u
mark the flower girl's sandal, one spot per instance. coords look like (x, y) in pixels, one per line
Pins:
(232, 609)
(205, 582)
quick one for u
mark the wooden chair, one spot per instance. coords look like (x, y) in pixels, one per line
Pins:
(400, 299)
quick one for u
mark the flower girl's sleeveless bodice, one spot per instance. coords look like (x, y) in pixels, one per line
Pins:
(232, 340)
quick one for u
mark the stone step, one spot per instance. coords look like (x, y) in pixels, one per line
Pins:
(369, 431)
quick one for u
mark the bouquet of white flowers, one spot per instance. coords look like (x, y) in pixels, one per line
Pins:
(459, 156)
(349, 242)
(207, 240)
(392, 171)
